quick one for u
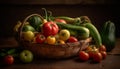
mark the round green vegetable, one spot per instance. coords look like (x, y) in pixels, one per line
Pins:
(35, 21)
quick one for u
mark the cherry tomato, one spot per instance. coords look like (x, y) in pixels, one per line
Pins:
(60, 42)
(50, 29)
(72, 39)
(102, 48)
(97, 57)
(91, 53)
(104, 54)
(9, 59)
(40, 38)
(83, 56)
(51, 40)
(91, 50)
(60, 20)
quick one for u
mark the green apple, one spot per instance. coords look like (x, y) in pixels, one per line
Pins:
(26, 56)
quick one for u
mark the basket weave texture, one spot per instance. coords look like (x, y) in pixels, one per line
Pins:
(52, 51)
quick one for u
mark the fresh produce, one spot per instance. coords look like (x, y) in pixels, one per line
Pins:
(97, 57)
(81, 31)
(95, 54)
(83, 56)
(50, 40)
(26, 56)
(62, 30)
(102, 48)
(94, 33)
(8, 60)
(91, 51)
(64, 34)
(69, 20)
(104, 54)
(28, 27)
(35, 21)
(108, 35)
(50, 29)
(59, 42)
(40, 38)
(72, 39)
(60, 20)
(28, 36)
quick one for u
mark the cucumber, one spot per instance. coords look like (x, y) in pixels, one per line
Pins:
(94, 33)
(69, 20)
(80, 31)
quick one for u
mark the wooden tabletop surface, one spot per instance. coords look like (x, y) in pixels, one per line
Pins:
(111, 62)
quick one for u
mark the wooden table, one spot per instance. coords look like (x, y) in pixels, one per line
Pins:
(111, 62)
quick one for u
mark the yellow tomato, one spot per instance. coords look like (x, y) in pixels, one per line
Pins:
(51, 40)
(64, 34)
(60, 42)
(28, 36)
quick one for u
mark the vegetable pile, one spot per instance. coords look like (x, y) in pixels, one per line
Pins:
(58, 30)
(63, 29)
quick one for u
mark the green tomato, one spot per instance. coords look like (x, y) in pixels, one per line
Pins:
(64, 34)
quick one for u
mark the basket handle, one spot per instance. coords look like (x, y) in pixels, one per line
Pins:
(24, 21)
(85, 43)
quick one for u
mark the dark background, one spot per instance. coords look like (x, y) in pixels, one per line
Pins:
(99, 12)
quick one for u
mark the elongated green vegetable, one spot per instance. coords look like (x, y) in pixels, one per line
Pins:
(81, 31)
(94, 33)
(69, 20)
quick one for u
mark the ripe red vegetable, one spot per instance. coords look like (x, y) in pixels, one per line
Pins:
(83, 56)
(97, 57)
(50, 28)
(72, 39)
(9, 59)
(102, 48)
(104, 54)
(40, 38)
(60, 20)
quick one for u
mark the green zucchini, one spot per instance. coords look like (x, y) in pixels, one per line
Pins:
(69, 20)
(94, 33)
(80, 31)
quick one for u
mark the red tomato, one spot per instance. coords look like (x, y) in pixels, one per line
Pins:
(102, 48)
(60, 20)
(50, 28)
(97, 57)
(8, 59)
(91, 50)
(72, 39)
(40, 38)
(91, 53)
(104, 54)
(83, 56)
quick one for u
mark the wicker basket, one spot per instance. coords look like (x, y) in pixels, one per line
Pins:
(52, 51)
